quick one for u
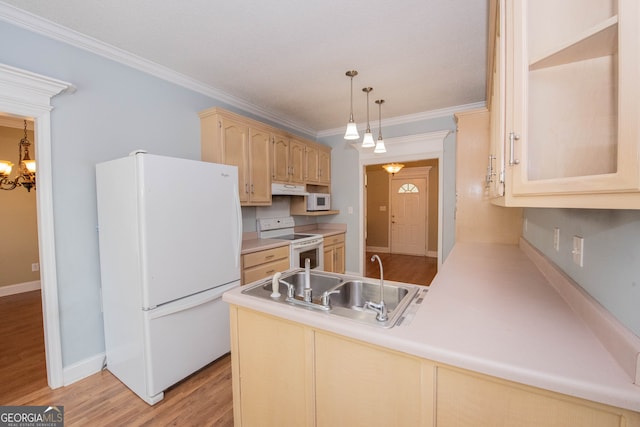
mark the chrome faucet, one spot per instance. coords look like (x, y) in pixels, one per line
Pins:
(380, 307)
(307, 280)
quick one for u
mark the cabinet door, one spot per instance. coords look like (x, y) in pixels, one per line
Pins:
(476, 401)
(339, 254)
(496, 161)
(296, 161)
(235, 151)
(273, 371)
(324, 166)
(575, 96)
(280, 158)
(361, 385)
(312, 167)
(328, 259)
(260, 167)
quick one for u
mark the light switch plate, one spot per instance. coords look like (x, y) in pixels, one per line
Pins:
(578, 250)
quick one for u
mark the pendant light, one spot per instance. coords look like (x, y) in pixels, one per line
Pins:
(352, 130)
(367, 141)
(380, 148)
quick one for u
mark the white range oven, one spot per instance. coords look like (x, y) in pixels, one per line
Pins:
(301, 246)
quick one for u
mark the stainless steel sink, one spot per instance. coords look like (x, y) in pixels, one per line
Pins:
(346, 295)
(350, 297)
(319, 283)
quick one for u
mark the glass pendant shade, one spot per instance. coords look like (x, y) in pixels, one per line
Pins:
(368, 141)
(5, 167)
(352, 131)
(380, 148)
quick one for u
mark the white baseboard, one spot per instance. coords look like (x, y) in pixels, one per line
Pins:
(19, 288)
(83, 369)
(378, 249)
(432, 254)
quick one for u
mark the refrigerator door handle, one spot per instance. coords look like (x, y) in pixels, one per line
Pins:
(188, 302)
(238, 227)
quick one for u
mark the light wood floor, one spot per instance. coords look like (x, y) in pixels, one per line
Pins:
(203, 399)
(403, 268)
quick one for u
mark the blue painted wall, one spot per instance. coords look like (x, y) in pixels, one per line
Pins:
(611, 271)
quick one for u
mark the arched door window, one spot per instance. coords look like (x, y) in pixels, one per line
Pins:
(408, 188)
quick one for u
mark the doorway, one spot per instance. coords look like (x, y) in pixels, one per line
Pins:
(26, 94)
(407, 149)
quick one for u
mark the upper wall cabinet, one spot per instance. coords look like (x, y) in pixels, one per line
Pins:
(565, 101)
(232, 140)
(288, 159)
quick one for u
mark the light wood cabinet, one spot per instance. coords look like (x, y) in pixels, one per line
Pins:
(272, 371)
(232, 140)
(286, 373)
(288, 157)
(362, 385)
(565, 99)
(318, 165)
(265, 263)
(468, 399)
(324, 166)
(312, 164)
(334, 253)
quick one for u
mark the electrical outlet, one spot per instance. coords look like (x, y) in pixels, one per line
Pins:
(35, 266)
(556, 239)
(578, 250)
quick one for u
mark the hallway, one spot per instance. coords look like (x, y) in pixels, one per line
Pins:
(403, 268)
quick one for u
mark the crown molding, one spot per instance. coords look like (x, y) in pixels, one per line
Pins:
(39, 25)
(412, 118)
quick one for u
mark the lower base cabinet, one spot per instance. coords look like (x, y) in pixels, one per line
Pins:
(288, 374)
(362, 385)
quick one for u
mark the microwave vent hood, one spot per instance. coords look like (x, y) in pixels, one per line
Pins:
(278, 189)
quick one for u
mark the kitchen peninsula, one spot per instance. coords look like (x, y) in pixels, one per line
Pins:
(491, 344)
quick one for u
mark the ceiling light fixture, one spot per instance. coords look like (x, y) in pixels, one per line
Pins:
(393, 168)
(380, 148)
(26, 176)
(352, 130)
(367, 141)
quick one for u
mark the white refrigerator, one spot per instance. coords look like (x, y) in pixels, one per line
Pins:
(170, 234)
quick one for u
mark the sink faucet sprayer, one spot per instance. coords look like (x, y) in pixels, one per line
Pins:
(379, 308)
(276, 281)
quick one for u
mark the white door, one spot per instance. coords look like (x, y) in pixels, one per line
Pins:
(409, 215)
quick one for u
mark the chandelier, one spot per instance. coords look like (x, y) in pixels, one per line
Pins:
(26, 176)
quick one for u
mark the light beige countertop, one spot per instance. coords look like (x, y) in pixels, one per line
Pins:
(491, 310)
(254, 245)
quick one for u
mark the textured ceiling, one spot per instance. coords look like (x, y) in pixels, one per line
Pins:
(289, 57)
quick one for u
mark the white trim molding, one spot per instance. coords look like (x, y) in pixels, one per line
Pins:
(28, 95)
(83, 368)
(19, 288)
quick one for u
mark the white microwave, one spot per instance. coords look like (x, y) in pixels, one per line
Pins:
(318, 202)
